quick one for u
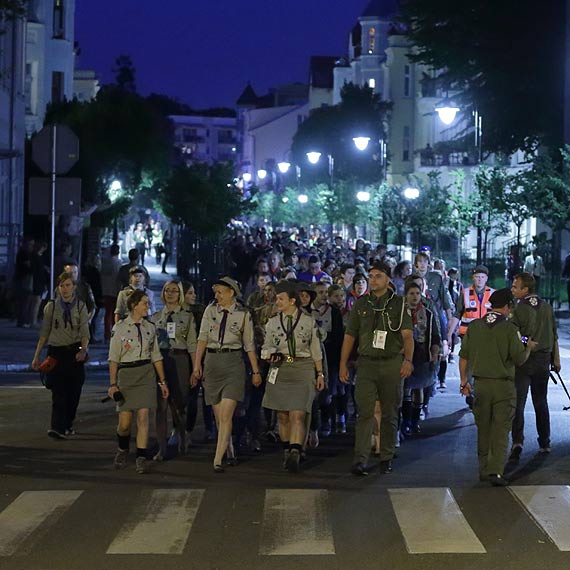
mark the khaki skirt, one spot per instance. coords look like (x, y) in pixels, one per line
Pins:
(294, 388)
(224, 377)
(138, 386)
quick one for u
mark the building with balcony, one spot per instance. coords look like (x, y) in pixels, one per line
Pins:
(85, 84)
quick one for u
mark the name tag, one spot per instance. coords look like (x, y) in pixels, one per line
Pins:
(171, 330)
(272, 376)
(379, 340)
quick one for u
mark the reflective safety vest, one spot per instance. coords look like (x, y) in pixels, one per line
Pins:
(474, 309)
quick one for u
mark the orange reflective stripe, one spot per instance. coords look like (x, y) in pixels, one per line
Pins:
(481, 307)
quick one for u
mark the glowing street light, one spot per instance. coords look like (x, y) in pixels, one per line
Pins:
(283, 167)
(246, 177)
(363, 196)
(447, 111)
(411, 193)
(284, 199)
(303, 198)
(313, 157)
(261, 173)
(361, 143)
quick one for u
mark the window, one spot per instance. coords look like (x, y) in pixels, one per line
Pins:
(57, 86)
(407, 80)
(406, 145)
(371, 40)
(58, 19)
(372, 83)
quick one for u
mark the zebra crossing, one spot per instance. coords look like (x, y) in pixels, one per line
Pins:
(293, 522)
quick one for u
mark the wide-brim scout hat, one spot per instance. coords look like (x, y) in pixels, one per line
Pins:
(308, 288)
(286, 286)
(229, 282)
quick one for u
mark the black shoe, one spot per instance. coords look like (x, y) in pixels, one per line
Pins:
(498, 480)
(386, 466)
(56, 434)
(293, 461)
(515, 454)
(359, 469)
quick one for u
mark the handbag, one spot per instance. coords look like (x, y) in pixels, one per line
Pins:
(48, 365)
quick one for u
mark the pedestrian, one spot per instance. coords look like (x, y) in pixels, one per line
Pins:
(92, 277)
(535, 319)
(176, 332)
(293, 349)
(65, 330)
(134, 362)
(110, 287)
(225, 333)
(139, 238)
(124, 271)
(83, 290)
(490, 349)
(534, 265)
(136, 283)
(383, 328)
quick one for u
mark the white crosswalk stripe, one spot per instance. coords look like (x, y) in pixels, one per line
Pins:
(160, 524)
(296, 522)
(30, 511)
(549, 506)
(432, 522)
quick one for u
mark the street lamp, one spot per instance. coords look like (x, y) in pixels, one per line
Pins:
(313, 157)
(411, 193)
(303, 198)
(283, 167)
(246, 177)
(447, 111)
(261, 173)
(361, 143)
(363, 196)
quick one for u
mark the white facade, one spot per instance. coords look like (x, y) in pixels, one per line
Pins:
(49, 57)
(85, 85)
(205, 139)
(12, 138)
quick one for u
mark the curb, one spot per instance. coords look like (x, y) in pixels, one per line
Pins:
(21, 367)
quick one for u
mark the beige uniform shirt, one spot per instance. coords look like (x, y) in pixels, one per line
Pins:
(122, 309)
(59, 333)
(181, 335)
(128, 346)
(307, 342)
(238, 332)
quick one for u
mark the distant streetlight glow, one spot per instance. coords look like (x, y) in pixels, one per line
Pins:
(361, 143)
(411, 193)
(284, 199)
(283, 167)
(363, 196)
(447, 111)
(246, 177)
(313, 157)
(303, 198)
(261, 173)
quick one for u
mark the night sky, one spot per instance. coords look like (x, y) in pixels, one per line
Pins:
(205, 51)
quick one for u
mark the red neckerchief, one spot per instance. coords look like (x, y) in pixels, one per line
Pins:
(415, 312)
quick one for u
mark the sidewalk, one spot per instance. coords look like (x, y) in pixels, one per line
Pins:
(17, 345)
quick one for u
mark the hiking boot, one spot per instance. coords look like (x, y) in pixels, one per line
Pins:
(141, 465)
(120, 461)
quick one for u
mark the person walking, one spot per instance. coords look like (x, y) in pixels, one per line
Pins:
(110, 287)
(383, 328)
(134, 359)
(65, 330)
(136, 283)
(491, 349)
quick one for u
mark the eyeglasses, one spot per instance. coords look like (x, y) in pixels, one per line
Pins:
(172, 290)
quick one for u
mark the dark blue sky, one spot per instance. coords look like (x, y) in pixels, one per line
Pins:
(205, 51)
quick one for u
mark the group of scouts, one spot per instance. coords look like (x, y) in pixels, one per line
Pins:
(298, 345)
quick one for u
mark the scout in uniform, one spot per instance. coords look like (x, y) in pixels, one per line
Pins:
(491, 348)
(535, 319)
(293, 348)
(383, 327)
(136, 283)
(225, 333)
(134, 357)
(177, 342)
(65, 329)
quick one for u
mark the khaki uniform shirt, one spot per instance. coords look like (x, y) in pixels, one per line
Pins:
(387, 313)
(524, 317)
(545, 332)
(184, 329)
(126, 345)
(57, 332)
(122, 309)
(493, 347)
(238, 332)
(307, 342)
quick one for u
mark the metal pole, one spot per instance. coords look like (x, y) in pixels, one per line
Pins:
(52, 206)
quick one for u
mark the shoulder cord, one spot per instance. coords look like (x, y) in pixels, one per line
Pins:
(383, 310)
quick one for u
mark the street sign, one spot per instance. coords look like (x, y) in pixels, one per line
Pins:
(66, 151)
(67, 201)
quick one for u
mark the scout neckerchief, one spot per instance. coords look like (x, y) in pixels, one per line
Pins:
(532, 300)
(139, 332)
(290, 330)
(493, 318)
(222, 330)
(67, 307)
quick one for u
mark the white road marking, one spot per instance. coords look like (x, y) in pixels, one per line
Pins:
(159, 525)
(431, 522)
(549, 506)
(29, 511)
(296, 522)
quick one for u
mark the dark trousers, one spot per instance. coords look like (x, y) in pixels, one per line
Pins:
(65, 382)
(110, 304)
(533, 374)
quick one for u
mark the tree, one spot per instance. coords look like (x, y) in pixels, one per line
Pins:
(202, 198)
(11, 9)
(125, 74)
(501, 57)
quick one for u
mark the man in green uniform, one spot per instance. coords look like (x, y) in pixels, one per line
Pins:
(491, 348)
(535, 319)
(383, 328)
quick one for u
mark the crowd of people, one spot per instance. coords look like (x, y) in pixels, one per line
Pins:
(298, 341)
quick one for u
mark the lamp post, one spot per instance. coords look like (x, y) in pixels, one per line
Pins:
(410, 193)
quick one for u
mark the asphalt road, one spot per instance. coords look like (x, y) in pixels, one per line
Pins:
(63, 507)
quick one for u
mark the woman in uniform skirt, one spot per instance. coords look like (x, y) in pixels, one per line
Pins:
(293, 349)
(177, 342)
(225, 333)
(65, 329)
(134, 357)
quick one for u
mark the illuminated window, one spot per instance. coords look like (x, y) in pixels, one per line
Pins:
(407, 80)
(371, 40)
(372, 83)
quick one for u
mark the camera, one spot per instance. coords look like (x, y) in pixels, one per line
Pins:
(118, 397)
